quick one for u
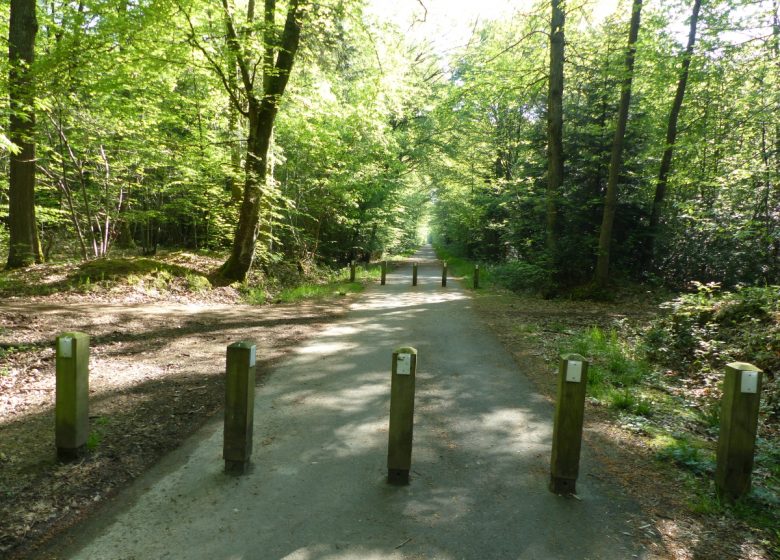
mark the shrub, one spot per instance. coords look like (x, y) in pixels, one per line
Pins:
(522, 276)
(708, 328)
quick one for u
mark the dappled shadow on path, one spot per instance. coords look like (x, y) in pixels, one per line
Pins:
(317, 489)
(156, 375)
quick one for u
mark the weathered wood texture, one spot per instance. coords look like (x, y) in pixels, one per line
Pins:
(399, 448)
(567, 427)
(239, 406)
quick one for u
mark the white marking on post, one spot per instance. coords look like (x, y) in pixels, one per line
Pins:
(403, 364)
(252, 356)
(749, 382)
(66, 347)
(574, 372)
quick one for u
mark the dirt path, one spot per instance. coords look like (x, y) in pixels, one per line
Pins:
(318, 488)
(155, 377)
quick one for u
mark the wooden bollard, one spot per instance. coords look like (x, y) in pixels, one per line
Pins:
(567, 428)
(738, 428)
(476, 276)
(444, 274)
(71, 408)
(414, 274)
(239, 406)
(384, 272)
(352, 268)
(399, 447)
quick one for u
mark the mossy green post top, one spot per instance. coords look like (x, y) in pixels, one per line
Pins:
(247, 345)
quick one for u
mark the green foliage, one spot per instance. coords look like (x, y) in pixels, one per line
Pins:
(719, 222)
(613, 359)
(254, 295)
(521, 276)
(615, 371)
(319, 291)
(708, 328)
(459, 267)
(687, 456)
(96, 435)
(197, 283)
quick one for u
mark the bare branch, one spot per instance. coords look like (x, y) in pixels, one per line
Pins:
(425, 11)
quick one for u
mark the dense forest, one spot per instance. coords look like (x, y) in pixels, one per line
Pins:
(614, 173)
(571, 150)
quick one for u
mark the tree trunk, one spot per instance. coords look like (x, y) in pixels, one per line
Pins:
(610, 202)
(671, 138)
(24, 245)
(262, 114)
(555, 126)
(775, 250)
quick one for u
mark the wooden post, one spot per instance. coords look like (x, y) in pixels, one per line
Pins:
(567, 428)
(738, 428)
(399, 448)
(239, 406)
(71, 409)
(476, 276)
(384, 272)
(444, 274)
(352, 271)
(414, 274)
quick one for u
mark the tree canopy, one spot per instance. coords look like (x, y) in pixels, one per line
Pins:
(317, 132)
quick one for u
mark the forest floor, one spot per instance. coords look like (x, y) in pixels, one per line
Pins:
(154, 382)
(534, 330)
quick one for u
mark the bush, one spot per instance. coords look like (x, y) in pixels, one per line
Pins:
(709, 328)
(522, 276)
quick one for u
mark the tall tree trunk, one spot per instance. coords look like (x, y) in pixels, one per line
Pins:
(262, 114)
(775, 250)
(24, 245)
(610, 203)
(555, 126)
(671, 138)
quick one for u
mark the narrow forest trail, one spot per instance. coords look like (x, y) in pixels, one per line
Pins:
(317, 488)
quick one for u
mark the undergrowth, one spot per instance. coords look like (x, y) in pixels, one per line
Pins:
(180, 273)
(458, 267)
(663, 381)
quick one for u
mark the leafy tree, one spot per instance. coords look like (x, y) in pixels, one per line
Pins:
(257, 98)
(610, 202)
(671, 135)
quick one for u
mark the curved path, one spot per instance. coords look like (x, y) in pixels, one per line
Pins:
(318, 490)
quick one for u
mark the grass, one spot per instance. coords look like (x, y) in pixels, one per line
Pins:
(318, 291)
(614, 371)
(93, 275)
(620, 378)
(458, 267)
(333, 284)
(687, 453)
